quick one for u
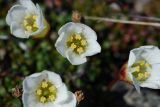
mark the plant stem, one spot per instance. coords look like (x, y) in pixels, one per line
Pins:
(122, 21)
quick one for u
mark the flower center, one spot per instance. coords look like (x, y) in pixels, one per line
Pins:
(29, 23)
(141, 70)
(46, 92)
(77, 42)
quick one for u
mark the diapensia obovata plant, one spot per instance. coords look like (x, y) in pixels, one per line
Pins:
(142, 68)
(46, 89)
(26, 19)
(76, 42)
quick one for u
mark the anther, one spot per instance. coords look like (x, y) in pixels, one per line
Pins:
(146, 74)
(137, 68)
(35, 24)
(52, 89)
(29, 28)
(51, 97)
(142, 62)
(83, 42)
(140, 76)
(44, 84)
(73, 46)
(34, 17)
(78, 37)
(25, 22)
(43, 99)
(80, 50)
(39, 92)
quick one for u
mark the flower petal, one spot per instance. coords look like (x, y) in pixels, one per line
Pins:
(75, 59)
(40, 29)
(39, 21)
(87, 31)
(40, 16)
(64, 28)
(53, 77)
(92, 48)
(29, 100)
(136, 84)
(132, 59)
(70, 27)
(61, 45)
(154, 80)
(35, 75)
(62, 94)
(151, 54)
(29, 5)
(16, 13)
(151, 84)
(70, 101)
(130, 78)
(78, 28)
(31, 82)
(18, 31)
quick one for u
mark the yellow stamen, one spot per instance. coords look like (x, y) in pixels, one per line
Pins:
(39, 92)
(137, 68)
(71, 39)
(29, 23)
(52, 89)
(80, 50)
(51, 97)
(29, 28)
(141, 70)
(77, 42)
(35, 25)
(25, 22)
(147, 74)
(46, 92)
(78, 37)
(73, 46)
(83, 42)
(34, 17)
(142, 62)
(43, 99)
(140, 76)
(44, 84)
(147, 65)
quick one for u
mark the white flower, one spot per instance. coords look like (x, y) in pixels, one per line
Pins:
(25, 19)
(46, 89)
(144, 67)
(76, 41)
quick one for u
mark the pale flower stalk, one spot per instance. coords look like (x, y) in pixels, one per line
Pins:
(46, 89)
(77, 41)
(143, 67)
(25, 19)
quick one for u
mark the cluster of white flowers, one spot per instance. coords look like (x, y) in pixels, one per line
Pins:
(76, 41)
(44, 89)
